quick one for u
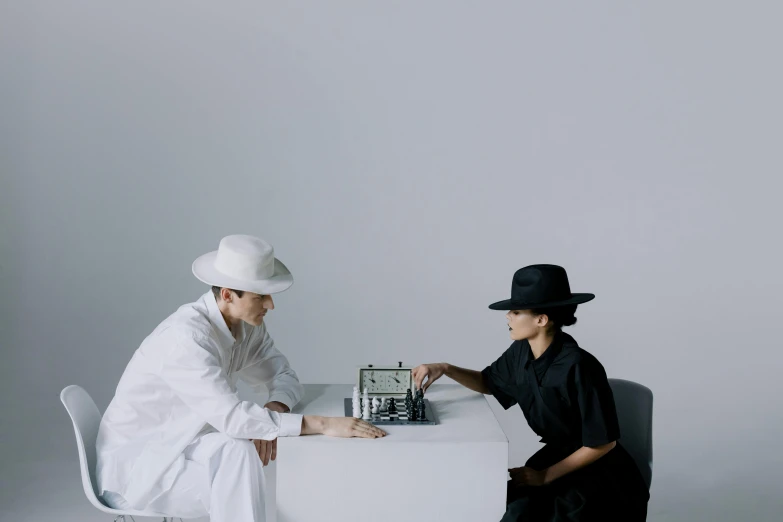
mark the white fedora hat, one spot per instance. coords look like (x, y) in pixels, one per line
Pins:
(244, 263)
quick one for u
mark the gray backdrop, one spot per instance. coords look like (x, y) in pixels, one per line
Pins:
(404, 159)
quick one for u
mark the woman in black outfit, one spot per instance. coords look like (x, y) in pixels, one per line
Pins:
(582, 473)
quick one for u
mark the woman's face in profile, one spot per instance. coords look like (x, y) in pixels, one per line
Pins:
(522, 324)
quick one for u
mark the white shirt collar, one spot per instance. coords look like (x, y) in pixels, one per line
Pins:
(217, 319)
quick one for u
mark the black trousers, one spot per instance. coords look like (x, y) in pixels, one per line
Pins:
(610, 489)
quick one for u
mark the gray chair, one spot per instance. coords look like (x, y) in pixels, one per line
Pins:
(86, 418)
(634, 404)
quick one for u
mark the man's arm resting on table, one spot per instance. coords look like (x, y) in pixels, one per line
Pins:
(339, 427)
(313, 425)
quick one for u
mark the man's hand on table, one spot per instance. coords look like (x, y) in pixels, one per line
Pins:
(345, 427)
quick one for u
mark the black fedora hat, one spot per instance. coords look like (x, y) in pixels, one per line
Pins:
(540, 286)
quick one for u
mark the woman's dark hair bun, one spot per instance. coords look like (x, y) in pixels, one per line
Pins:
(560, 316)
(569, 321)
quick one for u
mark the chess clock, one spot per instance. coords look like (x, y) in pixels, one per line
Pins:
(385, 381)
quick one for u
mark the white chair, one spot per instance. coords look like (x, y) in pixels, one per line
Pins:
(634, 404)
(86, 419)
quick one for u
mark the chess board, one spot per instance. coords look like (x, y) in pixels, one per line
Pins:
(399, 419)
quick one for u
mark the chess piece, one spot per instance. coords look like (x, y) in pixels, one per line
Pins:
(366, 397)
(392, 406)
(375, 405)
(408, 398)
(383, 403)
(366, 412)
(421, 414)
(355, 403)
(412, 412)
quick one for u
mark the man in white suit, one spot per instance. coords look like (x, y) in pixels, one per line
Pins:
(176, 439)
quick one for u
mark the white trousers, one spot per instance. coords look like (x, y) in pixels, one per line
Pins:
(223, 478)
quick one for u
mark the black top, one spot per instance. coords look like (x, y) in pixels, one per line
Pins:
(564, 394)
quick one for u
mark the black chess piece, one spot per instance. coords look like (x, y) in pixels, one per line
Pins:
(408, 397)
(412, 413)
(421, 413)
(419, 394)
(392, 406)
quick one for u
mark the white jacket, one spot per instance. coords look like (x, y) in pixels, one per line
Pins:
(180, 380)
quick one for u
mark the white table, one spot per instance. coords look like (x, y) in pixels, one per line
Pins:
(454, 471)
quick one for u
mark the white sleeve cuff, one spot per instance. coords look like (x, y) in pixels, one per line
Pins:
(290, 425)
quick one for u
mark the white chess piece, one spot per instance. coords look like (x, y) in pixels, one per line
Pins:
(375, 404)
(365, 405)
(366, 412)
(355, 402)
(383, 403)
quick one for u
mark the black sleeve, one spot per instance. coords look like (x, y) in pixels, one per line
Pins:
(596, 404)
(501, 376)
